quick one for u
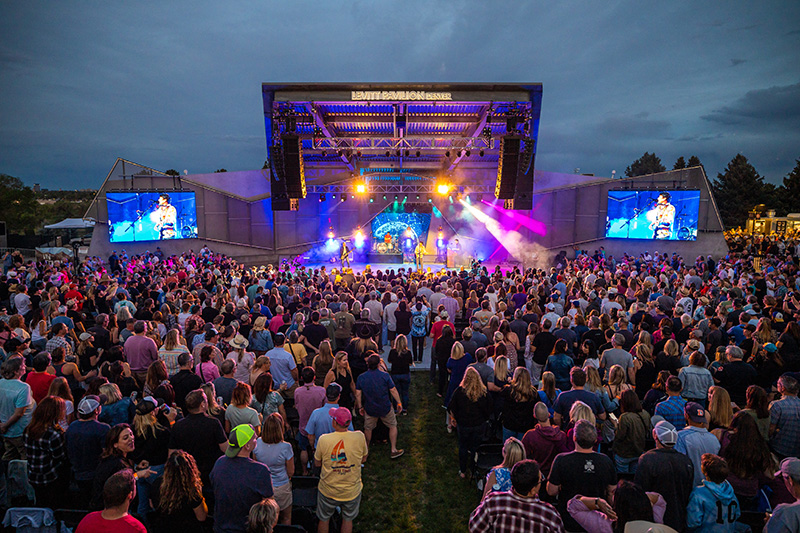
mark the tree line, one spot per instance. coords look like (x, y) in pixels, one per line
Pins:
(737, 189)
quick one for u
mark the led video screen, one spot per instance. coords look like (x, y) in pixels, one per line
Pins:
(653, 215)
(151, 216)
(390, 230)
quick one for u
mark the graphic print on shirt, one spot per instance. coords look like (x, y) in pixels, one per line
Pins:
(338, 456)
(588, 467)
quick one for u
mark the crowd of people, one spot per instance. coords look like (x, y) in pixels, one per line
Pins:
(629, 389)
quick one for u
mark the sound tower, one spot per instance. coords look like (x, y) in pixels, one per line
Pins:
(523, 192)
(293, 168)
(508, 167)
(277, 180)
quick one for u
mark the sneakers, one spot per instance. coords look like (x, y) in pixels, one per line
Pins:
(397, 454)
(449, 429)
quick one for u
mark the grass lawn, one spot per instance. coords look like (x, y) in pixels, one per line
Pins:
(420, 491)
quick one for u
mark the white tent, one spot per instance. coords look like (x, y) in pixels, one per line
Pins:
(71, 223)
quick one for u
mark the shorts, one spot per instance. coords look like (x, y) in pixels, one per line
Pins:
(283, 495)
(327, 506)
(302, 442)
(14, 448)
(371, 422)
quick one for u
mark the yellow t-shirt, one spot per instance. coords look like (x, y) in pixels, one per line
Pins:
(341, 454)
(298, 351)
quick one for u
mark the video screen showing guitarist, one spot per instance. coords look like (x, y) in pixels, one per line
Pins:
(165, 218)
(662, 217)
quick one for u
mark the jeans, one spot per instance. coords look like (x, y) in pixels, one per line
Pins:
(402, 382)
(625, 465)
(417, 345)
(507, 434)
(143, 487)
(469, 438)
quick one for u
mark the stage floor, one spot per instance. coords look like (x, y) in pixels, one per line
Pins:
(359, 267)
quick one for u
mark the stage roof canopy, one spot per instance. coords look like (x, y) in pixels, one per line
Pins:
(401, 126)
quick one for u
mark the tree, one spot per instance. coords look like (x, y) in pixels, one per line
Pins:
(647, 164)
(172, 172)
(789, 192)
(738, 190)
(679, 164)
(18, 208)
(220, 170)
(694, 161)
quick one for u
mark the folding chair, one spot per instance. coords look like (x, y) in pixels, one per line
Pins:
(304, 492)
(486, 457)
(31, 520)
(20, 491)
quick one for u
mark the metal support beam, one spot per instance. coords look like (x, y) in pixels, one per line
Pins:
(320, 123)
(472, 131)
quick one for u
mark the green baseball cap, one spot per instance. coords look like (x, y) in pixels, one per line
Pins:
(238, 439)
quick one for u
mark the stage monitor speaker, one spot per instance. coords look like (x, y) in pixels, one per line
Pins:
(293, 169)
(508, 167)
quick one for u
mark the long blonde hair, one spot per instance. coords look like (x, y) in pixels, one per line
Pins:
(513, 452)
(671, 348)
(581, 411)
(473, 385)
(522, 390)
(549, 385)
(401, 344)
(144, 424)
(337, 365)
(457, 351)
(501, 368)
(172, 340)
(720, 407)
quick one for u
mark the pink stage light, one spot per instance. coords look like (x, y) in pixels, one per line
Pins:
(534, 225)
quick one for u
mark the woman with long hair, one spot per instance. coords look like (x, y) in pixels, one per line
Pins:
(511, 341)
(120, 442)
(243, 358)
(322, 362)
(277, 454)
(588, 352)
(770, 366)
(116, 409)
(645, 365)
(40, 325)
(60, 388)
(456, 366)
(519, 397)
(46, 448)
(749, 459)
(631, 433)
(206, 368)
(401, 359)
(696, 379)
(499, 477)
(261, 366)
(469, 410)
(86, 352)
(442, 349)
(178, 496)
(69, 370)
(260, 337)
(239, 411)
(758, 407)
(548, 392)
(266, 400)
(560, 364)
(156, 376)
(340, 373)
(669, 358)
(581, 411)
(150, 436)
(720, 411)
(630, 504)
(215, 410)
(170, 350)
(789, 346)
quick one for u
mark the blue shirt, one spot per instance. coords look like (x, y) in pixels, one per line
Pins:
(282, 366)
(671, 410)
(693, 442)
(565, 400)
(375, 386)
(785, 413)
(560, 365)
(13, 395)
(238, 483)
(85, 442)
(275, 457)
(320, 422)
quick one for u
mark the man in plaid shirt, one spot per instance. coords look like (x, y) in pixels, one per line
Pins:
(59, 331)
(672, 408)
(519, 510)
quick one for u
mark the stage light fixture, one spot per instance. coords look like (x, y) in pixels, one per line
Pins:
(371, 199)
(447, 153)
(397, 153)
(361, 188)
(322, 197)
(339, 153)
(418, 153)
(384, 197)
(443, 188)
(407, 152)
(324, 153)
(395, 197)
(352, 196)
(418, 197)
(430, 200)
(333, 196)
(358, 154)
(467, 152)
(331, 234)
(388, 153)
(481, 153)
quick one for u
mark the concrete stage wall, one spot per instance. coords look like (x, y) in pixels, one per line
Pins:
(235, 217)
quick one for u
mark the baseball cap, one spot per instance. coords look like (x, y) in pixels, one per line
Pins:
(88, 404)
(85, 336)
(771, 348)
(333, 391)
(790, 467)
(341, 415)
(147, 405)
(695, 412)
(238, 439)
(665, 433)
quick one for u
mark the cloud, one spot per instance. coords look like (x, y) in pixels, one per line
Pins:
(761, 107)
(638, 126)
(736, 62)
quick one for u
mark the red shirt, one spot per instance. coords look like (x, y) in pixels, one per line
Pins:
(40, 384)
(436, 329)
(95, 523)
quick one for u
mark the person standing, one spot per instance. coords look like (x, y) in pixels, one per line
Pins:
(283, 367)
(45, 446)
(86, 439)
(695, 439)
(16, 408)
(307, 398)
(198, 434)
(340, 454)
(374, 393)
(401, 360)
(519, 509)
(784, 419)
(238, 482)
(786, 517)
(582, 471)
(668, 472)
(141, 351)
(419, 254)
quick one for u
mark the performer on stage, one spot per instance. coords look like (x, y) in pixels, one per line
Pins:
(345, 254)
(419, 251)
(662, 216)
(165, 218)
(387, 240)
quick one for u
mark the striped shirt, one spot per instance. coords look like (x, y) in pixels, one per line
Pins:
(671, 410)
(505, 512)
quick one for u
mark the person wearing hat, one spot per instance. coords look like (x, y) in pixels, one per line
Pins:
(210, 338)
(238, 481)
(786, 517)
(668, 472)
(340, 455)
(319, 421)
(695, 440)
(86, 439)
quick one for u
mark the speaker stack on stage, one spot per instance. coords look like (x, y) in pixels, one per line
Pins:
(287, 176)
(515, 172)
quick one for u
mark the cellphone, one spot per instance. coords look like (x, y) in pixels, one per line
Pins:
(134, 394)
(219, 400)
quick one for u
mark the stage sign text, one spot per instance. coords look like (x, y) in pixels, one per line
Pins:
(373, 96)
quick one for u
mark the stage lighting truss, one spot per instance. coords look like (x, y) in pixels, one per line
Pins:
(388, 146)
(388, 190)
